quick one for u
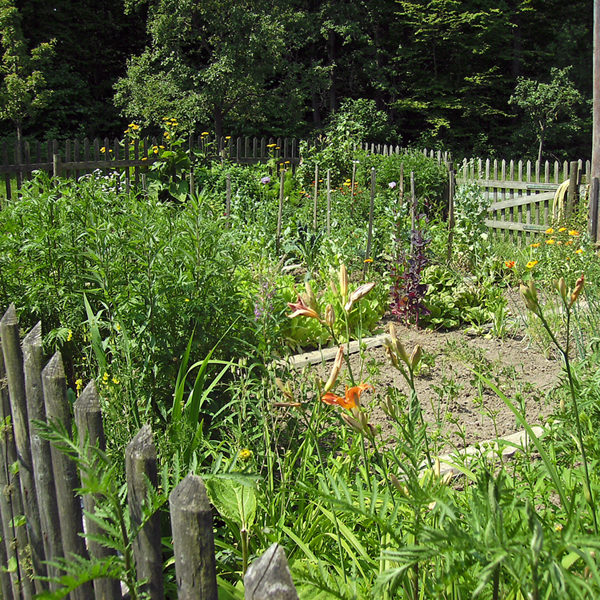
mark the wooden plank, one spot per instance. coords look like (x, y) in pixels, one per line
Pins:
(66, 480)
(141, 471)
(513, 226)
(193, 540)
(522, 201)
(512, 185)
(40, 451)
(269, 577)
(14, 539)
(15, 377)
(88, 418)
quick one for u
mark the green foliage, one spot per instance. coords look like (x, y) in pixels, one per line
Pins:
(23, 91)
(544, 103)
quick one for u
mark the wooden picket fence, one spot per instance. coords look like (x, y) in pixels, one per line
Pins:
(522, 193)
(41, 512)
(73, 158)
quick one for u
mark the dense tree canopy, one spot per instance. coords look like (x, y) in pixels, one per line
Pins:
(442, 70)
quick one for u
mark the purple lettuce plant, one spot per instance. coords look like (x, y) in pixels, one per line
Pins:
(408, 291)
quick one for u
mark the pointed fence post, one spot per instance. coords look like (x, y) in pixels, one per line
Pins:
(66, 480)
(14, 538)
(88, 418)
(13, 363)
(40, 451)
(141, 469)
(193, 541)
(269, 577)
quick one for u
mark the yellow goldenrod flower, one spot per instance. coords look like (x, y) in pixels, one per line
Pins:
(549, 231)
(573, 232)
(245, 454)
(78, 385)
(531, 264)
(69, 336)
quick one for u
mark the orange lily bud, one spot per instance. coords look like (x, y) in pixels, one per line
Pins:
(335, 371)
(353, 423)
(415, 357)
(357, 294)
(561, 286)
(578, 287)
(329, 316)
(301, 309)
(343, 282)
(530, 296)
(310, 297)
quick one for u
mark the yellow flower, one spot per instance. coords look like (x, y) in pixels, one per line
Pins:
(368, 260)
(144, 158)
(550, 241)
(536, 245)
(561, 229)
(204, 133)
(574, 232)
(531, 264)
(271, 145)
(227, 137)
(187, 300)
(549, 231)
(103, 149)
(69, 336)
(115, 381)
(78, 385)
(155, 150)
(347, 183)
(580, 251)
(245, 454)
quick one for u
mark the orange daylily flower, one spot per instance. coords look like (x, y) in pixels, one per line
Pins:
(350, 399)
(301, 309)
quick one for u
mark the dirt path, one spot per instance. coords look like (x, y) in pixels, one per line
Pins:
(457, 407)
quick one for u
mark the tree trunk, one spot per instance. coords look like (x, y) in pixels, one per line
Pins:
(218, 117)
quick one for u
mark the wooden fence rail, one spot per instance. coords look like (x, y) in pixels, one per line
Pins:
(41, 510)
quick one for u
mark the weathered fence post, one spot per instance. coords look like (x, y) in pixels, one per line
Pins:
(316, 196)
(269, 577)
(328, 201)
(141, 469)
(193, 541)
(56, 168)
(228, 197)
(573, 182)
(58, 410)
(13, 363)
(593, 226)
(370, 229)
(451, 184)
(10, 496)
(40, 450)
(280, 211)
(88, 418)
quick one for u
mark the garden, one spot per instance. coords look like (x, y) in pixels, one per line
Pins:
(191, 309)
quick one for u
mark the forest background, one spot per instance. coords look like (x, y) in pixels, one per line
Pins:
(443, 72)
